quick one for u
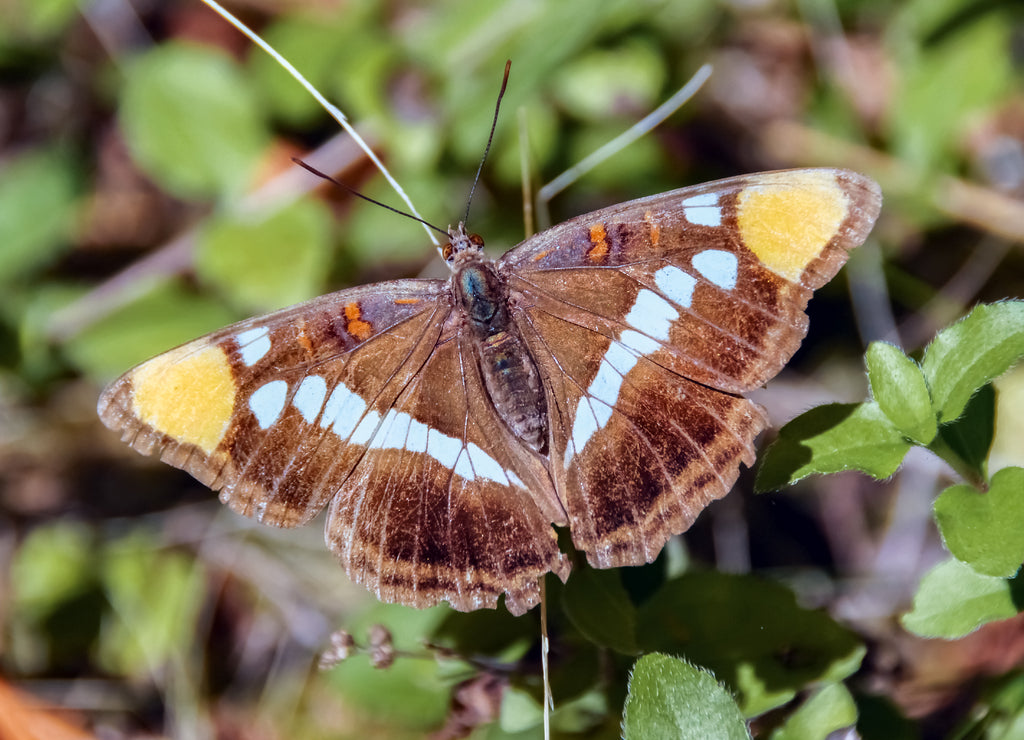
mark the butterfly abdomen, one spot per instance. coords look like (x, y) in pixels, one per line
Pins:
(510, 375)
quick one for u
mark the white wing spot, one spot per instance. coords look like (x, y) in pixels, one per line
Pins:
(652, 314)
(676, 284)
(703, 210)
(393, 431)
(342, 411)
(417, 439)
(485, 465)
(443, 448)
(253, 345)
(583, 427)
(642, 343)
(309, 398)
(717, 266)
(364, 431)
(267, 402)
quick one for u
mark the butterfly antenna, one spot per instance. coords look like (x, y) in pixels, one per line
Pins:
(490, 139)
(367, 198)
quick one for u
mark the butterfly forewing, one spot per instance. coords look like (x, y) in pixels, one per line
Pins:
(269, 411)
(629, 332)
(719, 274)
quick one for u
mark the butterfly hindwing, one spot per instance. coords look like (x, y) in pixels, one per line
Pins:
(637, 451)
(445, 504)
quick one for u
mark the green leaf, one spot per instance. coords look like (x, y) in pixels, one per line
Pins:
(411, 692)
(972, 352)
(50, 566)
(599, 607)
(263, 262)
(965, 442)
(832, 438)
(668, 697)
(928, 115)
(520, 711)
(317, 47)
(191, 121)
(610, 81)
(751, 633)
(954, 600)
(899, 388)
(36, 22)
(156, 596)
(878, 718)
(829, 709)
(37, 206)
(984, 529)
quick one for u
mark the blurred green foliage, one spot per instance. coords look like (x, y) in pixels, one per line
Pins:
(199, 121)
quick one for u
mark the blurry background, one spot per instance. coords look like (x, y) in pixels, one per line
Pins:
(147, 196)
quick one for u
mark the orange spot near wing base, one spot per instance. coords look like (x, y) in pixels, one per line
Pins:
(655, 230)
(358, 328)
(599, 238)
(407, 300)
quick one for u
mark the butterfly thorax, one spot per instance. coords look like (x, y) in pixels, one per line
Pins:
(509, 373)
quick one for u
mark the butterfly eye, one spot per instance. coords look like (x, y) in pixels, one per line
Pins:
(476, 240)
(447, 250)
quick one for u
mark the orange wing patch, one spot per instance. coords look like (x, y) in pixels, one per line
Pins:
(303, 338)
(599, 238)
(358, 328)
(655, 230)
(407, 300)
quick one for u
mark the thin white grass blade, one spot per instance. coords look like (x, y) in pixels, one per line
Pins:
(620, 142)
(326, 104)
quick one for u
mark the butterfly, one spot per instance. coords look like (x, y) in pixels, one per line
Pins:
(590, 378)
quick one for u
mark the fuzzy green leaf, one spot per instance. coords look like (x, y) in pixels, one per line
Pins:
(268, 261)
(965, 442)
(191, 121)
(954, 600)
(37, 204)
(969, 354)
(830, 709)
(899, 388)
(750, 632)
(984, 529)
(668, 697)
(599, 607)
(832, 438)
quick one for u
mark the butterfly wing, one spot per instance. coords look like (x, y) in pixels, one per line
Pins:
(647, 318)
(366, 399)
(268, 410)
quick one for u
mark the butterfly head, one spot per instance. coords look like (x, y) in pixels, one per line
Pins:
(462, 246)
